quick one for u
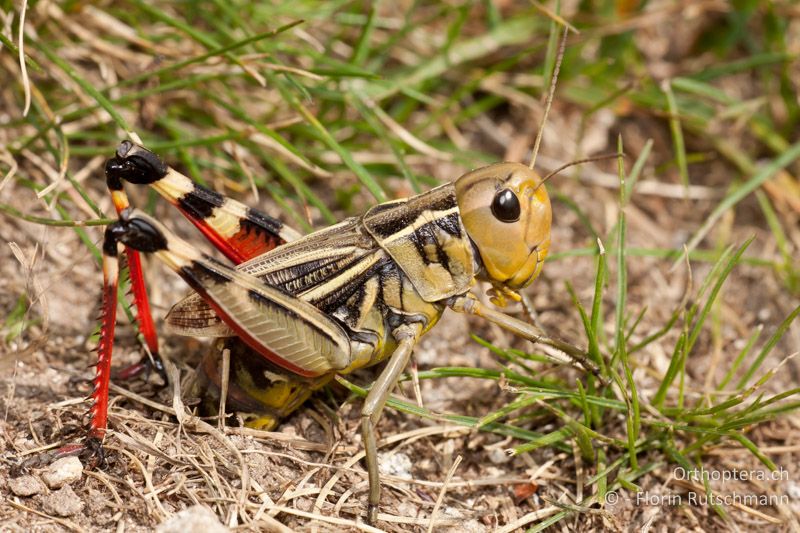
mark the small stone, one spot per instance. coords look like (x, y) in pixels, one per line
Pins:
(62, 472)
(498, 456)
(25, 486)
(792, 490)
(23, 444)
(195, 518)
(63, 502)
(466, 526)
(395, 464)
(408, 509)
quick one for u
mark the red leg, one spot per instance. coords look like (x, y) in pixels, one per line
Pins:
(144, 317)
(239, 232)
(98, 413)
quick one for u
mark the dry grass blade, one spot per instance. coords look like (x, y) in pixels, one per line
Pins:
(26, 83)
(442, 492)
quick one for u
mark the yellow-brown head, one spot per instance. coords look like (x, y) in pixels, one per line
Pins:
(507, 214)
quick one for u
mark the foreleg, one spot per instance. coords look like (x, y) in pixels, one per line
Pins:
(469, 305)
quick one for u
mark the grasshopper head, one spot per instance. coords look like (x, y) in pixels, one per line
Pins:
(506, 211)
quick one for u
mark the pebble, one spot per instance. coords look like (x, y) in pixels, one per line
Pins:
(498, 456)
(395, 464)
(195, 518)
(409, 509)
(63, 502)
(25, 486)
(467, 526)
(792, 490)
(62, 472)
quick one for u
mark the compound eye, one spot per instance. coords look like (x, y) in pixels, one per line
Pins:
(505, 206)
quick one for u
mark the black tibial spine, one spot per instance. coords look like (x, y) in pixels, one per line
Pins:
(134, 164)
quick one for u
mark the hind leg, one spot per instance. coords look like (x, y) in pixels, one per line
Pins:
(238, 231)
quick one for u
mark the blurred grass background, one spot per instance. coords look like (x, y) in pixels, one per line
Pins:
(316, 110)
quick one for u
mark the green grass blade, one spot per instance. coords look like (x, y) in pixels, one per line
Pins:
(677, 133)
(743, 353)
(87, 86)
(728, 267)
(783, 160)
(773, 340)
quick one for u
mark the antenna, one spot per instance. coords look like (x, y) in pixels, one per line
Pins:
(553, 81)
(592, 159)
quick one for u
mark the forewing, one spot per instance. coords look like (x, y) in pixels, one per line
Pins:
(303, 339)
(321, 268)
(290, 332)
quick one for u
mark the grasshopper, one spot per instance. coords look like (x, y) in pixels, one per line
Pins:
(293, 311)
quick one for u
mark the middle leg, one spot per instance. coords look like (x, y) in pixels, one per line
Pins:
(406, 336)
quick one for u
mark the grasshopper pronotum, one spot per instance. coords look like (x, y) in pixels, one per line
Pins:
(293, 311)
